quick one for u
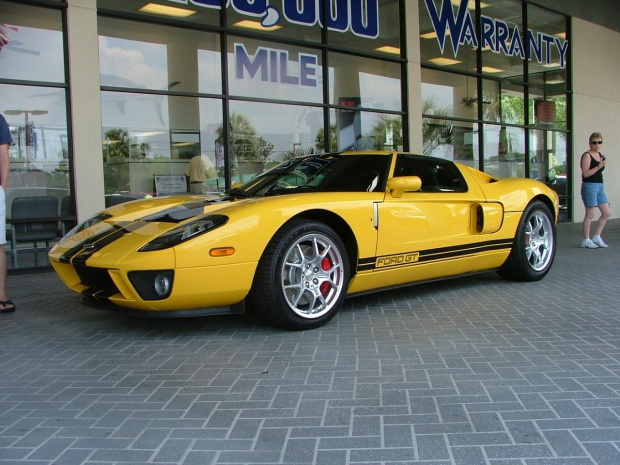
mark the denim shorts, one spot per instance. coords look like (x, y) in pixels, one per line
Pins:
(593, 194)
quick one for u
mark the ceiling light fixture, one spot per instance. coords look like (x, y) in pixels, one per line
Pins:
(491, 70)
(471, 5)
(389, 49)
(158, 9)
(442, 61)
(432, 35)
(248, 24)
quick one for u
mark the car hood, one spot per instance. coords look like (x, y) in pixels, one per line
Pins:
(172, 209)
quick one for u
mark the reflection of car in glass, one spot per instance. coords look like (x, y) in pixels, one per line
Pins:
(557, 182)
(297, 239)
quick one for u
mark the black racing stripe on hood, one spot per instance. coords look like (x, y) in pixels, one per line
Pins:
(87, 248)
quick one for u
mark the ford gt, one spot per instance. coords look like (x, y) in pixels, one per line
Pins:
(293, 242)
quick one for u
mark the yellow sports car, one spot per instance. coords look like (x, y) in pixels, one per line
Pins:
(293, 242)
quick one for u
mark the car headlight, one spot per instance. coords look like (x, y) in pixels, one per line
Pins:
(185, 232)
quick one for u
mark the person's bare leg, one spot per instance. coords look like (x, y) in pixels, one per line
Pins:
(587, 221)
(602, 221)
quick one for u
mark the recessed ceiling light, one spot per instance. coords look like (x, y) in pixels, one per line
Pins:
(561, 35)
(158, 9)
(433, 35)
(551, 65)
(389, 49)
(489, 69)
(471, 5)
(442, 61)
(246, 23)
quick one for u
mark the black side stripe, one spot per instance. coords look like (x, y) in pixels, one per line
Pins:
(85, 249)
(440, 254)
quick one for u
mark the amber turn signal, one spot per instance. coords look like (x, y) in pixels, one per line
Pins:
(222, 252)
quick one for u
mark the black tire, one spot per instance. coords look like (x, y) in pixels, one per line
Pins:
(302, 277)
(534, 247)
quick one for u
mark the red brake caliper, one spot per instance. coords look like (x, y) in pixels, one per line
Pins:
(326, 264)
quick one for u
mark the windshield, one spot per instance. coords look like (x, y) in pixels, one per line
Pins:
(320, 173)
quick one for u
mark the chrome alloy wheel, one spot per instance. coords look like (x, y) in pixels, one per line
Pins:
(539, 240)
(312, 275)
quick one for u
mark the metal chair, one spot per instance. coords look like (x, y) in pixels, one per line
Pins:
(67, 212)
(33, 219)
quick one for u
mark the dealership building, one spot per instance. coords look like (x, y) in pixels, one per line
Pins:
(108, 100)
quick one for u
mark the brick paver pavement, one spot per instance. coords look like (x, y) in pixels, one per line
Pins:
(469, 371)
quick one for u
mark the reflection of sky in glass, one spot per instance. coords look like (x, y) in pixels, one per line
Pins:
(48, 127)
(285, 126)
(131, 63)
(33, 54)
(147, 119)
(135, 111)
(210, 76)
(380, 92)
(443, 96)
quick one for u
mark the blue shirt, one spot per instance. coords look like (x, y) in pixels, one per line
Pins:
(5, 132)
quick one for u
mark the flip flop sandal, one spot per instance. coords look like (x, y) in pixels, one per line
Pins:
(6, 309)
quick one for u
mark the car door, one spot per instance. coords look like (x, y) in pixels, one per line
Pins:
(427, 233)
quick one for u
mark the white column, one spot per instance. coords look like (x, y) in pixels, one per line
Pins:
(85, 106)
(414, 76)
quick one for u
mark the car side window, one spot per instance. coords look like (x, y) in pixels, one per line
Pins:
(437, 175)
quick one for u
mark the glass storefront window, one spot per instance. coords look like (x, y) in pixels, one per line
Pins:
(136, 55)
(449, 95)
(547, 109)
(548, 70)
(277, 18)
(438, 47)
(503, 49)
(513, 104)
(258, 143)
(504, 151)
(452, 140)
(34, 48)
(369, 25)
(548, 162)
(364, 82)
(39, 158)
(40, 167)
(282, 72)
(204, 12)
(152, 135)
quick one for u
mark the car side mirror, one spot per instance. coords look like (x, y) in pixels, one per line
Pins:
(401, 184)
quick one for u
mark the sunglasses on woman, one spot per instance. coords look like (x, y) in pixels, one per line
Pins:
(596, 142)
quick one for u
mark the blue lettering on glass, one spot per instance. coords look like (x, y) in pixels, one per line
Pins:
(365, 25)
(535, 41)
(501, 36)
(273, 66)
(495, 34)
(307, 70)
(516, 45)
(302, 12)
(250, 7)
(204, 3)
(468, 34)
(488, 30)
(337, 15)
(251, 64)
(361, 17)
